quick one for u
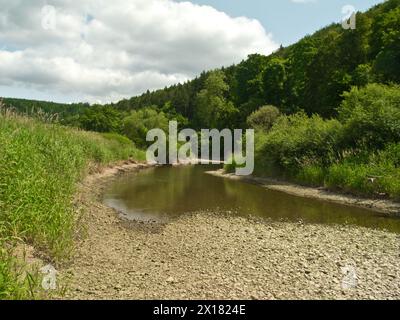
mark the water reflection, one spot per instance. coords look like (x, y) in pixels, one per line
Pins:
(161, 193)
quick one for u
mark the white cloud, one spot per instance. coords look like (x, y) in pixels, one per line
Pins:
(106, 50)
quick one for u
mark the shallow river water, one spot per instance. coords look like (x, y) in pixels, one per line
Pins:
(158, 194)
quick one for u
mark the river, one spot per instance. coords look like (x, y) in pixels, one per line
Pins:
(163, 193)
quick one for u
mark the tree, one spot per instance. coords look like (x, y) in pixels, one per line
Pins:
(248, 77)
(387, 33)
(138, 123)
(354, 44)
(371, 116)
(101, 119)
(171, 113)
(300, 57)
(264, 118)
(326, 78)
(274, 80)
(213, 110)
(362, 75)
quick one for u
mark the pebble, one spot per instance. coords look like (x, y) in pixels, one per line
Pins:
(215, 256)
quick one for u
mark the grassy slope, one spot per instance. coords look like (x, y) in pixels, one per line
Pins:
(40, 165)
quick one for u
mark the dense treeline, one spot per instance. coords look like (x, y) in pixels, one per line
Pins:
(32, 107)
(310, 75)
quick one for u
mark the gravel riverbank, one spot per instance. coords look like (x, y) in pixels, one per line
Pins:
(382, 205)
(219, 256)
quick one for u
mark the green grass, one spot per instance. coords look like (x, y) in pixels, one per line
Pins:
(40, 165)
(312, 175)
(17, 280)
(374, 174)
(377, 175)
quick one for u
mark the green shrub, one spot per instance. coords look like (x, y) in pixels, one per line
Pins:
(98, 118)
(361, 156)
(264, 118)
(136, 126)
(299, 141)
(15, 281)
(371, 116)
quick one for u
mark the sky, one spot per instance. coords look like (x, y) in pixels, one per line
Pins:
(289, 20)
(100, 51)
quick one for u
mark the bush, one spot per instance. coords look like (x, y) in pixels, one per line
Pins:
(371, 116)
(298, 141)
(361, 155)
(16, 282)
(98, 118)
(264, 118)
(136, 126)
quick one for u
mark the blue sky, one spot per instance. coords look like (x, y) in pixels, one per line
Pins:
(102, 51)
(289, 20)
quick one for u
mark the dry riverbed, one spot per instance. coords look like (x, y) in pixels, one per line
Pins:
(220, 256)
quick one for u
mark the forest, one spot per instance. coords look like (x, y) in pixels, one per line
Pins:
(326, 109)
